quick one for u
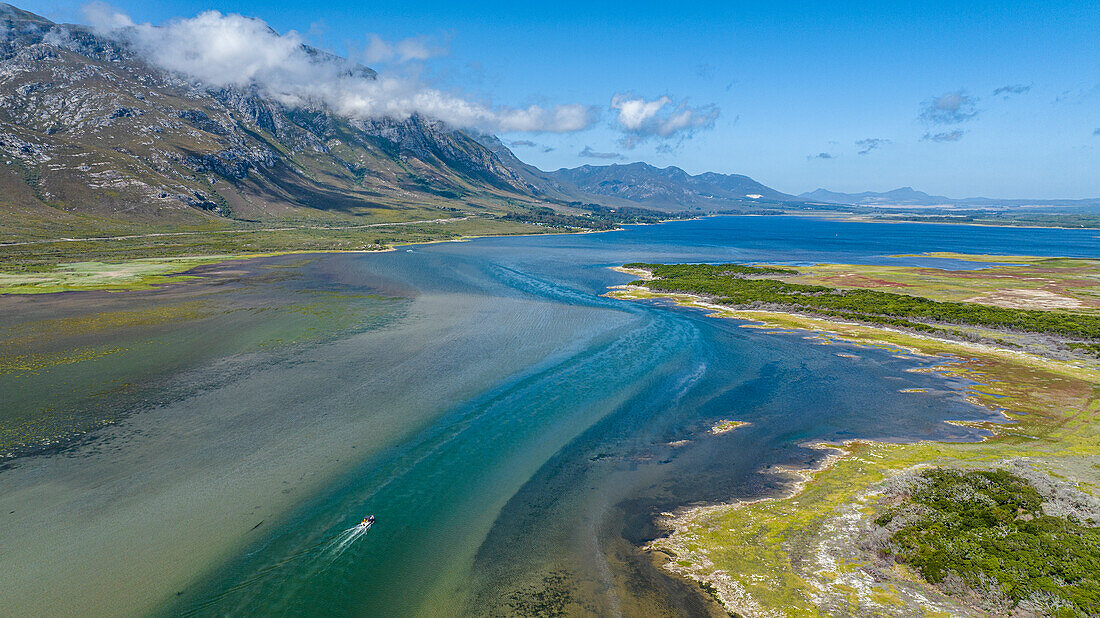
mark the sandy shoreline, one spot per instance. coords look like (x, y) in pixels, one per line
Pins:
(678, 545)
(633, 292)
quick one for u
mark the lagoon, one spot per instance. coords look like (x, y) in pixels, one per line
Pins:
(514, 432)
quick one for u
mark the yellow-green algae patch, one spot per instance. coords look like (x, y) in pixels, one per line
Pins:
(64, 376)
(796, 555)
(41, 333)
(134, 274)
(35, 362)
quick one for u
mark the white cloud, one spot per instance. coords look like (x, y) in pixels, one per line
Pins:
(221, 50)
(413, 48)
(102, 15)
(661, 117)
(635, 113)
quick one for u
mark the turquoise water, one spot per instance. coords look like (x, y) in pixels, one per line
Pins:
(526, 491)
(514, 433)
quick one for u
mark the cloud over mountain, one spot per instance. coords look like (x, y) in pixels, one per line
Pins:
(220, 50)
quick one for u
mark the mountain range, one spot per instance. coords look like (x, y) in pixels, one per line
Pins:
(669, 188)
(908, 196)
(95, 140)
(93, 137)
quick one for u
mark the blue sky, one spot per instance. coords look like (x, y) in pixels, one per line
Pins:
(786, 92)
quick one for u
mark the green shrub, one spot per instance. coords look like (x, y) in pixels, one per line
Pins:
(987, 528)
(738, 285)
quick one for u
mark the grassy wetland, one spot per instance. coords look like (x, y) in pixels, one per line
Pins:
(139, 261)
(143, 257)
(829, 546)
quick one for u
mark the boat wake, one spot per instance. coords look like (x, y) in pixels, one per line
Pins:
(331, 550)
(313, 559)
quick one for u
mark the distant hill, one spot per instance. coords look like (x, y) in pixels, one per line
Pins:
(544, 184)
(903, 196)
(908, 196)
(671, 187)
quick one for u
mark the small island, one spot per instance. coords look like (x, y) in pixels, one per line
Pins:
(722, 427)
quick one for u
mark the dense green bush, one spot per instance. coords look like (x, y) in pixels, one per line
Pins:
(595, 218)
(987, 528)
(1090, 348)
(737, 285)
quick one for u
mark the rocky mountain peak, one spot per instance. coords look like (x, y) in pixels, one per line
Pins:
(104, 133)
